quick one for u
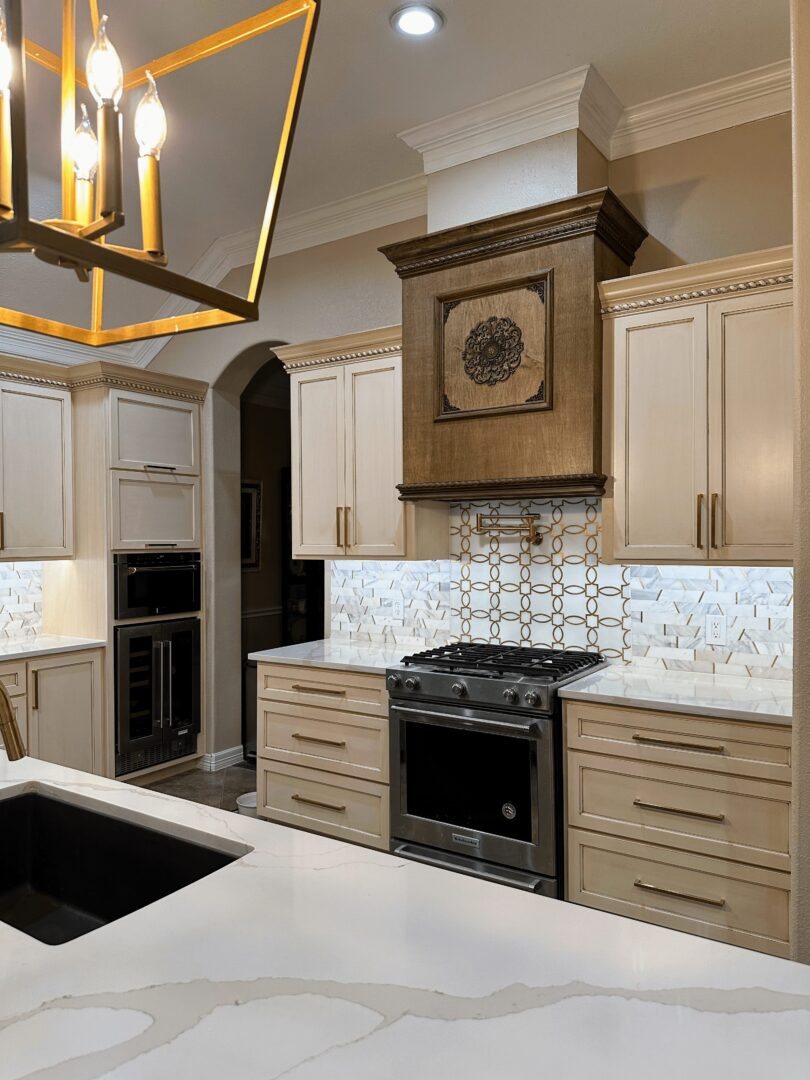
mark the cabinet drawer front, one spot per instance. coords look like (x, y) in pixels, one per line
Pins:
(153, 511)
(698, 811)
(738, 904)
(331, 739)
(726, 746)
(13, 678)
(343, 690)
(336, 806)
(157, 432)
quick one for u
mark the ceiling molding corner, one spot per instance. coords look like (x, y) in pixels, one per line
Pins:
(700, 110)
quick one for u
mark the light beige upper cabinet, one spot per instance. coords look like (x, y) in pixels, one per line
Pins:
(65, 710)
(155, 511)
(346, 400)
(150, 432)
(699, 403)
(36, 472)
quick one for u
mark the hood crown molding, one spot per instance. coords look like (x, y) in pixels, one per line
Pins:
(576, 99)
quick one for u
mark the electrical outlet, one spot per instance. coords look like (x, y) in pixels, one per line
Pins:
(397, 609)
(716, 630)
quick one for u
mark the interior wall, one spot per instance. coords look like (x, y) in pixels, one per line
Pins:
(720, 194)
(800, 839)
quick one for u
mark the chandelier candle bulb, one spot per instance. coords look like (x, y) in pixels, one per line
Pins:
(150, 132)
(105, 77)
(6, 201)
(85, 165)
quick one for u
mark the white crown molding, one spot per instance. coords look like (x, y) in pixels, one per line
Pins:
(576, 99)
(738, 99)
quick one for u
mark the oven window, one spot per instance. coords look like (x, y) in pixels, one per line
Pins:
(469, 778)
(162, 590)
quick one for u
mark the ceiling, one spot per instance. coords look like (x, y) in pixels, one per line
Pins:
(366, 84)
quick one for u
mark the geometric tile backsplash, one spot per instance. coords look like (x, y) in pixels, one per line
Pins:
(558, 594)
(20, 599)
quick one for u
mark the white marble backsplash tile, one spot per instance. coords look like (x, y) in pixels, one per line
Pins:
(558, 594)
(20, 599)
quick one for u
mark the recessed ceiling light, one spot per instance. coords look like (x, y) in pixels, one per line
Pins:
(417, 20)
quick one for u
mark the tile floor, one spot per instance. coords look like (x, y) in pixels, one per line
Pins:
(211, 788)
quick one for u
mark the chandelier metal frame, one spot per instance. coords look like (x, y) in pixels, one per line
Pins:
(20, 232)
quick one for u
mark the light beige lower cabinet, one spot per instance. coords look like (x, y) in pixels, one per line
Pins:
(323, 751)
(59, 705)
(682, 821)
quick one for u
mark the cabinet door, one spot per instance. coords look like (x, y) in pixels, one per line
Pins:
(154, 432)
(181, 677)
(318, 463)
(375, 519)
(36, 473)
(65, 723)
(155, 511)
(659, 436)
(140, 687)
(751, 394)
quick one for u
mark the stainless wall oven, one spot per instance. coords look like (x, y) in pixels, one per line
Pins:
(156, 583)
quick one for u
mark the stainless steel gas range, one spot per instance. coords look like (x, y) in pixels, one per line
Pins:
(476, 760)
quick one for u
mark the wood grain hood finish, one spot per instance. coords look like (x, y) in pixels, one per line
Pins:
(553, 449)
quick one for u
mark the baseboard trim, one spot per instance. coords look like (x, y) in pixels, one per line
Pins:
(222, 759)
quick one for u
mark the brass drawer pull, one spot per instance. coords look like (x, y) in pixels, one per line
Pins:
(676, 810)
(316, 802)
(708, 900)
(318, 690)
(672, 745)
(340, 744)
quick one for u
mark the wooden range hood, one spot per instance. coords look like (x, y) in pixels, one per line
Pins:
(502, 350)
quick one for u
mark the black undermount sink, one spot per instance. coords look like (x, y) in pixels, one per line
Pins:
(66, 870)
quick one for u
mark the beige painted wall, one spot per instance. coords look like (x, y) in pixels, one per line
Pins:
(721, 194)
(800, 840)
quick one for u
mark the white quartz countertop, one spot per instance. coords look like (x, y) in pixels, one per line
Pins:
(44, 645)
(311, 959)
(699, 694)
(334, 653)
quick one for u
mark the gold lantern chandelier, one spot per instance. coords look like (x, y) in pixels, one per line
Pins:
(92, 172)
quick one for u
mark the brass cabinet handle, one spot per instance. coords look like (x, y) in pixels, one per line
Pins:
(693, 897)
(161, 468)
(700, 520)
(346, 541)
(672, 745)
(35, 689)
(302, 689)
(2, 530)
(317, 802)
(713, 531)
(676, 810)
(338, 512)
(339, 743)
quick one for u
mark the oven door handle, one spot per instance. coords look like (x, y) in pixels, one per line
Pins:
(532, 728)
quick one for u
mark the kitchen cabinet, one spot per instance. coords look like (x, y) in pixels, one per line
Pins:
(699, 397)
(323, 751)
(682, 821)
(36, 472)
(151, 432)
(155, 510)
(346, 402)
(65, 710)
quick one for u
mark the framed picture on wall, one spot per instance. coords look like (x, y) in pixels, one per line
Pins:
(251, 517)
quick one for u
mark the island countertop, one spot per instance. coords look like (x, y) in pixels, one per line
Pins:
(693, 693)
(313, 959)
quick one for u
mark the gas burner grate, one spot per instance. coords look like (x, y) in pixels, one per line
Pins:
(548, 664)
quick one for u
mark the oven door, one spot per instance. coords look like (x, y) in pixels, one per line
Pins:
(156, 585)
(481, 786)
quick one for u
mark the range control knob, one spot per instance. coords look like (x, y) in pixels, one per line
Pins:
(510, 696)
(412, 683)
(532, 699)
(459, 689)
(394, 682)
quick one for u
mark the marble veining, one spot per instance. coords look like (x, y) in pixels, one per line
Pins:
(341, 654)
(45, 645)
(312, 959)
(698, 693)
